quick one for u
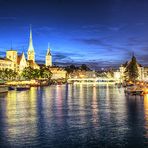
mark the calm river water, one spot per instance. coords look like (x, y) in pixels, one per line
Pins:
(73, 116)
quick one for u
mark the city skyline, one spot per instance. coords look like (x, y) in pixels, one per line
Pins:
(97, 33)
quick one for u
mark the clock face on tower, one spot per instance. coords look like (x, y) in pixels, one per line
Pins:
(30, 52)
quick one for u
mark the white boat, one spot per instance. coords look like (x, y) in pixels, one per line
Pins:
(3, 88)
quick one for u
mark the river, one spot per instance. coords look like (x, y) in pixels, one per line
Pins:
(73, 116)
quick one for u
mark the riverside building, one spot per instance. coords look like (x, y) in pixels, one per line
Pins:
(19, 62)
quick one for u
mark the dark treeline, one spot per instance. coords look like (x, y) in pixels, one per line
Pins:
(73, 68)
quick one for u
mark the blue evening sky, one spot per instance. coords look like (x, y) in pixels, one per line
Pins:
(100, 33)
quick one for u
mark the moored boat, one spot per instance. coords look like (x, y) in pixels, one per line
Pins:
(21, 88)
(3, 89)
(11, 88)
(134, 91)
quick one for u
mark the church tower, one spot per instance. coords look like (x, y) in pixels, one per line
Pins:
(48, 61)
(31, 53)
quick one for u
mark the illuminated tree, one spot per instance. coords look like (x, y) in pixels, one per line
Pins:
(8, 74)
(131, 71)
(45, 72)
(30, 73)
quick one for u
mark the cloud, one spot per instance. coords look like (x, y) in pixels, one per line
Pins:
(94, 41)
(105, 52)
(100, 27)
(66, 56)
(61, 57)
(93, 64)
(140, 23)
(116, 28)
(95, 60)
(136, 41)
(104, 45)
(144, 48)
(143, 59)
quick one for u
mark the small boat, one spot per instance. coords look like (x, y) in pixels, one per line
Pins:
(11, 88)
(24, 87)
(134, 91)
(3, 88)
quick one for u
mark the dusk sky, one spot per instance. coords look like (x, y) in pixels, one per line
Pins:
(99, 33)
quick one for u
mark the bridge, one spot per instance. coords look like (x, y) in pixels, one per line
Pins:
(92, 80)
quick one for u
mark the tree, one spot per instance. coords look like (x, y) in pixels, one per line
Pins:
(45, 72)
(71, 68)
(110, 74)
(2, 74)
(30, 73)
(84, 67)
(8, 74)
(131, 71)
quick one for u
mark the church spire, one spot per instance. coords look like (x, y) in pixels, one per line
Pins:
(48, 60)
(48, 50)
(31, 53)
(31, 48)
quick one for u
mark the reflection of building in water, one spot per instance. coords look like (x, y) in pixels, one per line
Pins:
(11, 107)
(32, 98)
(21, 116)
(94, 106)
(69, 93)
(59, 102)
(107, 101)
(107, 92)
(48, 96)
(59, 95)
(94, 94)
(81, 97)
(146, 113)
(81, 104)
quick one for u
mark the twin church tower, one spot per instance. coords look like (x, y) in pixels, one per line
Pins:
(31, 52)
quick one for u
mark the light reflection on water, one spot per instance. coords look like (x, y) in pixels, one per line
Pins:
(73, 116)
(146, 114)
(20, 111)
